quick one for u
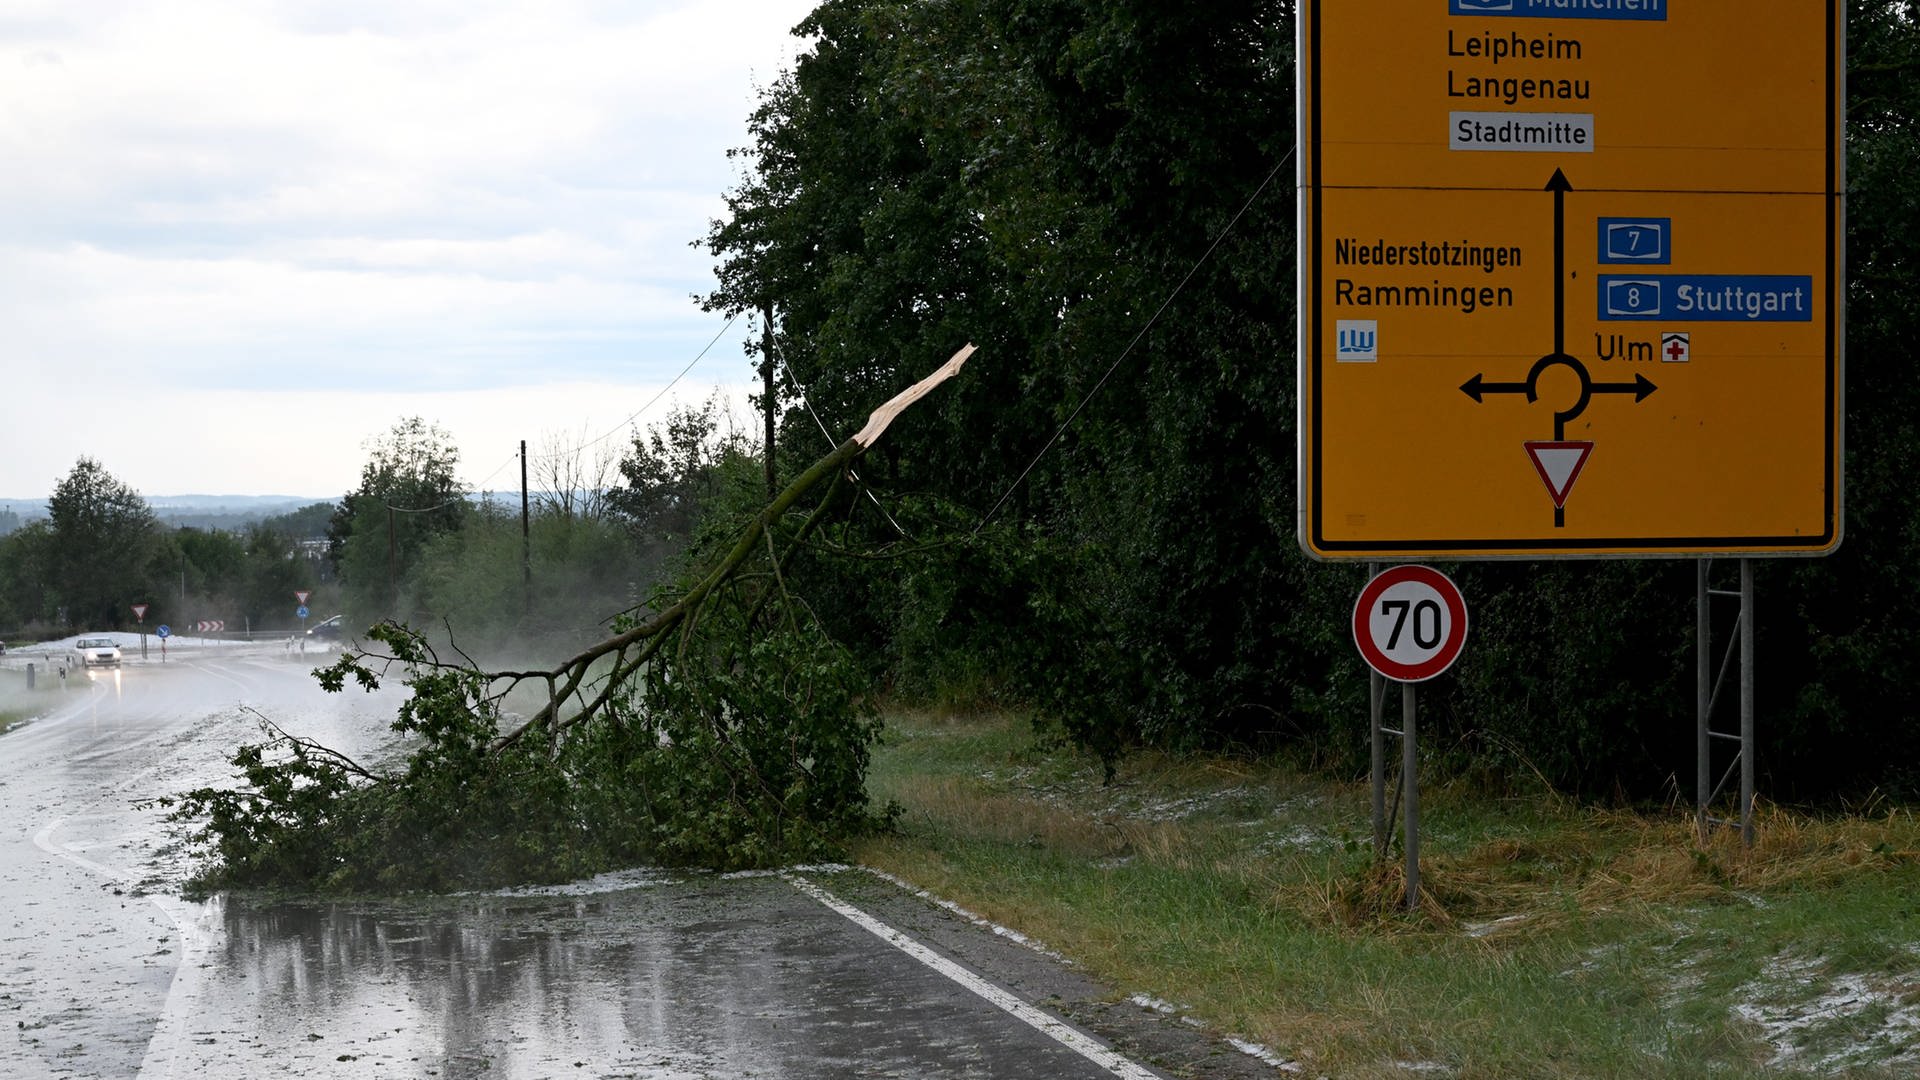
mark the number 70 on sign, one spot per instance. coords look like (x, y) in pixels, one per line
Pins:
(1410, 623)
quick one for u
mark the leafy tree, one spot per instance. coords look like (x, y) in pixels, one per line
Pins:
(105, 539)
(272, 571)
(408, 494)
(28, 597)
(1036, 177)
(1838, 649)
(246, 579)
(722, 727)
(581, 571)
(211, 566)
(674, 476)
(587, 555)
(307, 523)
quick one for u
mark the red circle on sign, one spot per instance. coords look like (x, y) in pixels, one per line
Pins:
(1429, 662)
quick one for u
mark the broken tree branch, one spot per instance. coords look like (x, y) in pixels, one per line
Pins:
(680, 617)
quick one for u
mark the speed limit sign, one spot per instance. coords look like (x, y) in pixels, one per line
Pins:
(1410, 623)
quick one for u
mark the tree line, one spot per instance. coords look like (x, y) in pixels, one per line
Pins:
(599, 533)
(1098, 192)
(409, 543)
(101, 550)
(1096, 521)
(1093, 523)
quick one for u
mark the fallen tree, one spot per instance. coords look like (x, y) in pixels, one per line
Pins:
(721, 728)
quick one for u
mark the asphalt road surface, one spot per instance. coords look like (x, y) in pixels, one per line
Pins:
(819, 972)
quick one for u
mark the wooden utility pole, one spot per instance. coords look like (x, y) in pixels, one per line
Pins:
(767, 400)
(526, 538)
(393, 565)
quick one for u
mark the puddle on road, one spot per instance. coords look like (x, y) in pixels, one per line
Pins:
(701, 977)
(104, 972)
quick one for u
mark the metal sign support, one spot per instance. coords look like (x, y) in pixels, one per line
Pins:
(1409, 774)
(1707, 689)
(1377, 699)
(1409, 782)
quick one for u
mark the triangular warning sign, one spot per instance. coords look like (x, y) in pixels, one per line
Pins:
(1559, 465)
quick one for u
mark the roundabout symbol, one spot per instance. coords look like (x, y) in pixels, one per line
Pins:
(1559, 461)
(1477, 388)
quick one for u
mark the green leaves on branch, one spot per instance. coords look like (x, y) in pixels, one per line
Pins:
(726, 729)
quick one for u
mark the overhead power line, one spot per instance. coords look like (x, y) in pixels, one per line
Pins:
(651, 402)
(1124, 353)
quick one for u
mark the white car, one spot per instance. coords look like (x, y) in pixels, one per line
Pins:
(94, 652)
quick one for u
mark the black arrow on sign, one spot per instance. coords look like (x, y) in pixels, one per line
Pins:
(1477, 386)
(1640, 387)
(1559, 185)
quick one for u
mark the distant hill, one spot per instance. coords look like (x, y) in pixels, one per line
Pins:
(228, 512)
(178, 511)
(265, 505)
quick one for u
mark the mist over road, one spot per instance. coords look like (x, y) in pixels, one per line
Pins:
(106, 972)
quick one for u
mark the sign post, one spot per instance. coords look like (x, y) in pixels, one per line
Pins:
(1570, 278)
(140, 617)
(1571, 285)
(163, 633)
(1410, 624)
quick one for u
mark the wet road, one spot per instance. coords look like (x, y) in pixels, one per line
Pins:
(825, 972)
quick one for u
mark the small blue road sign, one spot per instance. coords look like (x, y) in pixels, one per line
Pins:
(1636, 240)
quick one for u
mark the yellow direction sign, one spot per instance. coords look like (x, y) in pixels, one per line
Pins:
(1570, 278)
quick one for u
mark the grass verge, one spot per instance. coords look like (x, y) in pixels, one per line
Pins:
(1555, 940)
(15, 702)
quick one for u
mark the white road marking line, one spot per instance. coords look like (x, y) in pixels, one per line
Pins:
(199, 930)
(44, 841)
(201, 666)
(1010, 934)
(1084, 1045)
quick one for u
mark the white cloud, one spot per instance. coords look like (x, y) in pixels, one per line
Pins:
(210, 197)
(221, 323)
(313, 442)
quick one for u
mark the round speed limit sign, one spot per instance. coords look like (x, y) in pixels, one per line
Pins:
(1410, 623)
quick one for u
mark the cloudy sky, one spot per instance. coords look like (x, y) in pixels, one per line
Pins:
(243, 237)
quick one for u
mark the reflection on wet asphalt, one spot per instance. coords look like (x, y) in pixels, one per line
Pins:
(105, 972)
(702, 977)
(85, 966)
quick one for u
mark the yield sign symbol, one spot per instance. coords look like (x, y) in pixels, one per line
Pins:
(1559, 465)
